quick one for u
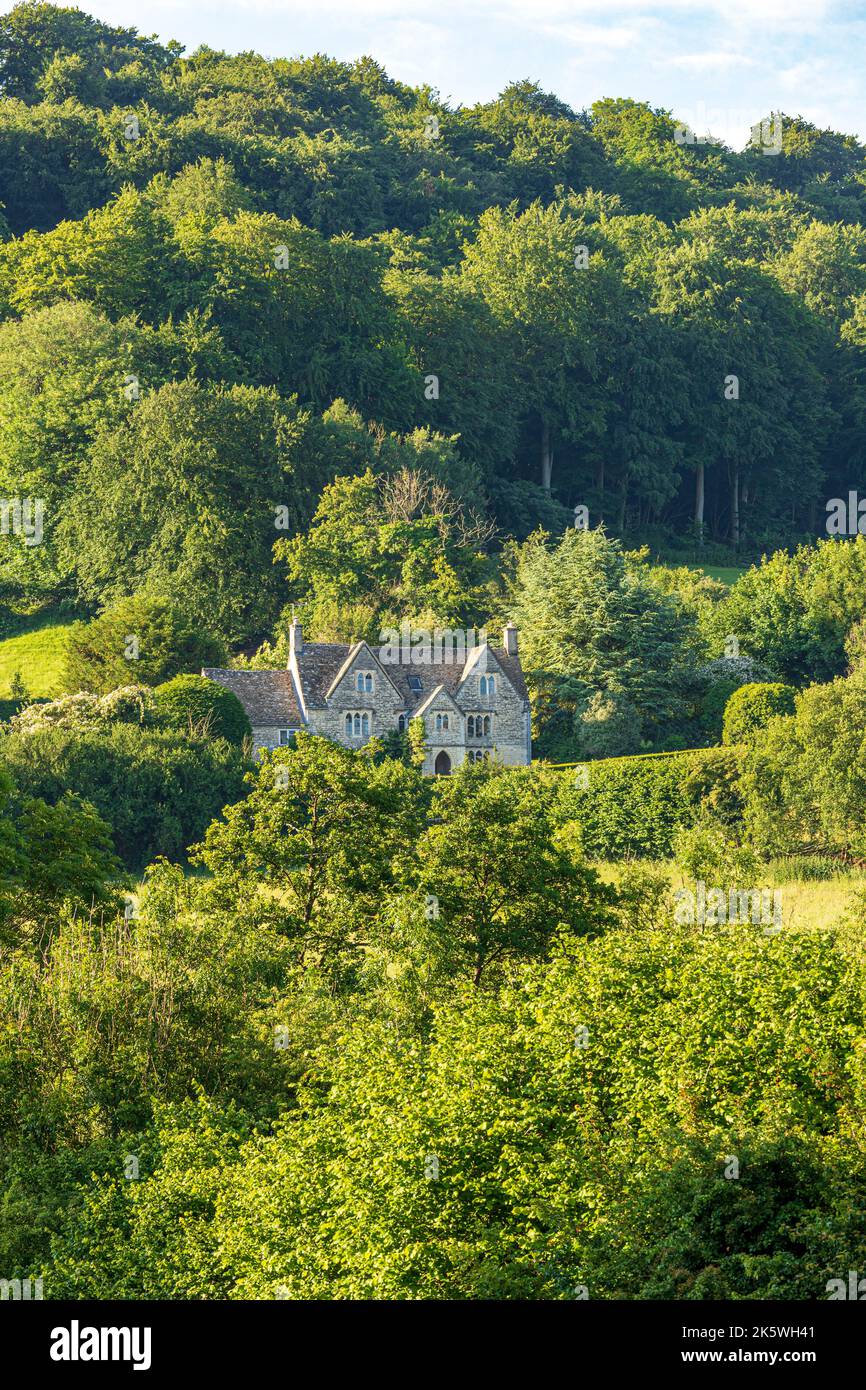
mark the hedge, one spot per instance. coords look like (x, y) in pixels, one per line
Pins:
(633, 807)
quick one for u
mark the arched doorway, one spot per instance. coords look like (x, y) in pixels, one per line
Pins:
(442, 765)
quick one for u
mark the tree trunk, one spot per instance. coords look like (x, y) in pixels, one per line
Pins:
(622, 504)
(699, 503)
(599, 487)
(546, 456)
(735, 505)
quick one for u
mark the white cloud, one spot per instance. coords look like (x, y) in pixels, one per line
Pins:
(720, 61)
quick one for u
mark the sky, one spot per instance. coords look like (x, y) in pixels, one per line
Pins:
(719, 65)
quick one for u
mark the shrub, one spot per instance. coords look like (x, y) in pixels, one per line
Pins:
(752, 707)
(129, 704)
(713, 706)
(194, 703)
(158, 793)
(140, 636)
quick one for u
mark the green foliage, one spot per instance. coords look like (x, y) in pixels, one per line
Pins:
(139, 636)
(751, 707)
(383, 549)
(393, 1038)
(804, 779)
(600, 646)
(158, 791)
(314, 847)
(198, 705)
(515, 1162)
(633, 807)
(505, 886)
(794, 612)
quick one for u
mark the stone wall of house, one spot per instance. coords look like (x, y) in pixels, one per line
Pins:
(508, 734)
(383, 704)
(265, 738)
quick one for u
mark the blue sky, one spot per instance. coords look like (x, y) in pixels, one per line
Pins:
(716, 64)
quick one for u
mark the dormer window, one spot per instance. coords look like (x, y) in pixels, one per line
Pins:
(487, 685)
(364, 682)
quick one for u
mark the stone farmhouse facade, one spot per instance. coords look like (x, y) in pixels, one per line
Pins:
(474, 703)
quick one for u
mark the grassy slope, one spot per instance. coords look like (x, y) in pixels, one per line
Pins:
(38, 656)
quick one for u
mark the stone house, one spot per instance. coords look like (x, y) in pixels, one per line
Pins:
(474, 703)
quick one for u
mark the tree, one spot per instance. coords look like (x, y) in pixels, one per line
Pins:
(758, 417)
(138, 638)
(156, 790)
(794, 611)
(557, 313)
(504, 887)
(195, 703)
(314, 847)
(751, 707)
(379, 547)
(592, 625)
(804, 778)
(186, 500)
(62, 374)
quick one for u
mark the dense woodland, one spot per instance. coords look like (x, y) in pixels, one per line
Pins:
(286, 334)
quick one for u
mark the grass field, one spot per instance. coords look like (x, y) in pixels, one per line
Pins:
(728, 574)
(807, 904)
(37, 656)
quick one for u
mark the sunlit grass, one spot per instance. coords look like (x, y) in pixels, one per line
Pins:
(808, 903)
(38, 657)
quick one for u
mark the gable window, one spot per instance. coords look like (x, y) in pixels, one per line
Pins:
(357, 724)
(364, 682)
(441, 723)
(487, 685)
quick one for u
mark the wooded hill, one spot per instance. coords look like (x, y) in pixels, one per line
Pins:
(547, 307)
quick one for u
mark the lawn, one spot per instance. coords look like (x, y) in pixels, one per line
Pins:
(38, 657)
(728, 574)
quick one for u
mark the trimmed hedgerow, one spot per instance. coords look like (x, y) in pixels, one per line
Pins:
(633, 807)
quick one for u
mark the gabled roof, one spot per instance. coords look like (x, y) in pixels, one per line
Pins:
(318, 664)
(321, 665)
(439, 695)
(354, 652)
(267, 696)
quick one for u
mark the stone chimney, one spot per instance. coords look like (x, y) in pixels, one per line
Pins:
(296, 638)
(509, 639)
